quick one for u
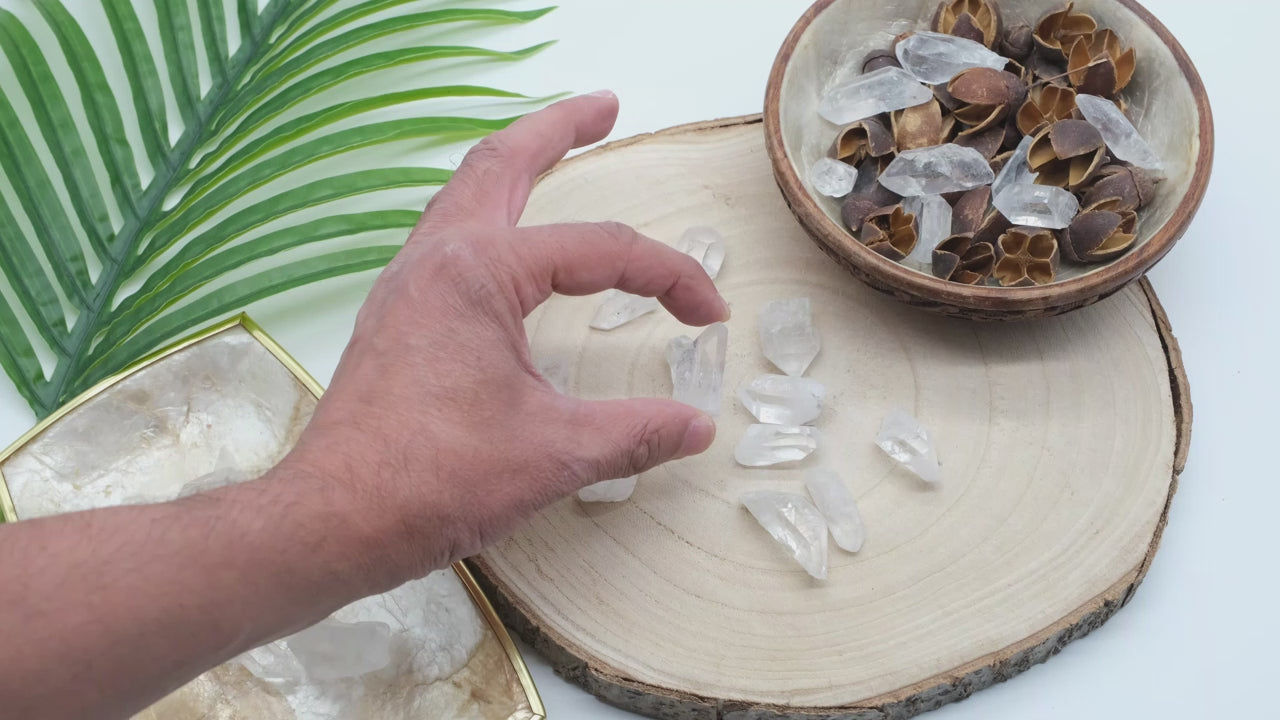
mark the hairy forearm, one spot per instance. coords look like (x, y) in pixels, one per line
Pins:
(106, 611)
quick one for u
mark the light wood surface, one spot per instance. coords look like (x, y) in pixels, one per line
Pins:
(1061, 440)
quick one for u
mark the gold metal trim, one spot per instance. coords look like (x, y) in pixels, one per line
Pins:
(9, 513)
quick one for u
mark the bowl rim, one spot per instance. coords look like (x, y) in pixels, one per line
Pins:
(1079, 290)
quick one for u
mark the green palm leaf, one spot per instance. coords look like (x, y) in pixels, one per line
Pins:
(139, 207)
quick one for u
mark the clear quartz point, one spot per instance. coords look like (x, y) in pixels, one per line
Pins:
(1121, 137)
(1042, 206)
(838, 506)
(796, 524)
(904, 439)
(706, 245)
(697, 368)
(609, 490)
(933, 217)
(619, 308)
(937, 170)
(333, 650)
(1016, 171)
(763, 445)
(832, 177)
(872, 93)
(935, 58)
(782, 399)
(787, 335)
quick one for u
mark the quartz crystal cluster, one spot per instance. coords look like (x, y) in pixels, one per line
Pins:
(1033, 115)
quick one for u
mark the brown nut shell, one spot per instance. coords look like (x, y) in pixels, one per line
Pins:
(1097, 235)
(891, 232)
(1018, 42)
(1129, 188)
(987, 141)
(1067, 154)
(960, 259)
(1026, 256)
(993, 226)
(969, 210)
(1056, 31)
(985, 86)
(1099, 64)
(977, 20)
(1045, 105)
(863, 139)
(877, 59)
(918, 127)
(854, 209)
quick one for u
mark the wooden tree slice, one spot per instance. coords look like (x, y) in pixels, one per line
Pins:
(1061, 441)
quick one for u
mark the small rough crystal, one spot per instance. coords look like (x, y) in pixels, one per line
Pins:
(832, 177)
(796, 524)
(937, 170)
(333, 650)
(879, 91)
(787, 335)
(904, 439)
(783, 400)
(706, 245)
(1121, 137)
(837, 504)
(619, 308)
(697, 368)
(1016, 170)
(609, 490)
(763, 445)
(1041, 206)
(933, 216)
(935, 58)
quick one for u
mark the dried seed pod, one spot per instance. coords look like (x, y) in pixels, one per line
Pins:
(988, 142)
(1026, 256)
(1057, 31)
(1045, 104)
(1013, 67)
(1097, 235)
(1017, 43)
(993, 226)
(891, 232)
(868, 182)
(986, 96)
(960, 259)
(1048, 68)
(1099, 64)
(863, 139)
(1128, 187)
(854, 210)
(969, 210)
(1012, 135)
(919, 126)
(946, 99)
(1067, 154)
(977, 20)
(877, 59)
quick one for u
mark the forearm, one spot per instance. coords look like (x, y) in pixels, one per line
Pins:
(104, 612)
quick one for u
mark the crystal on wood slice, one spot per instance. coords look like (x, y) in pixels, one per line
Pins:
(615, 490)
(763, 445)
(619, 308)
(706, 245)
(697, 368)
(782, 399)
(837, 504)
(796, 524)
(787, 335)
(904, 439)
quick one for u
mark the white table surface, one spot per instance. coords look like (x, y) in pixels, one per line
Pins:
(1198, 640)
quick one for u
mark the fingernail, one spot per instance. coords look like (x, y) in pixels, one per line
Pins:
(698, 437)
(725, 311)
(602, 94)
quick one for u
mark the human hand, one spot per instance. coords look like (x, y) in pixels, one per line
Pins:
(436, 420)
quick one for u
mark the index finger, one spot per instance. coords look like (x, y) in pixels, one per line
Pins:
(493, 182)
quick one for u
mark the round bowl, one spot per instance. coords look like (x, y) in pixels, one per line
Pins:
(1167, 101)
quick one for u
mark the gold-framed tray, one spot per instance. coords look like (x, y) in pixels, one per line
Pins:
(231, 396)
(1061, 441)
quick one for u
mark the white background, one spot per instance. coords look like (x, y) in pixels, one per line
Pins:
(1199, 638)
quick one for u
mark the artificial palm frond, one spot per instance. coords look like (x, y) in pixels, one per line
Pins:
(134, 210)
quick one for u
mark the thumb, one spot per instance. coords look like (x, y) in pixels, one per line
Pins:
(621, 438)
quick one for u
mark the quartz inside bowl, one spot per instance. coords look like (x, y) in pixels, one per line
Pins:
(1164, 105)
